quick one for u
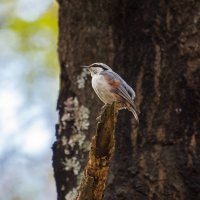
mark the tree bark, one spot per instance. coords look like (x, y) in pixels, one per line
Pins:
(103, 145)
(155, 47)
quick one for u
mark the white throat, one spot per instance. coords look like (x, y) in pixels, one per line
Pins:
(95, 70)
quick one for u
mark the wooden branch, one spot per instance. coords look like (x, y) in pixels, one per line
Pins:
(102, 147)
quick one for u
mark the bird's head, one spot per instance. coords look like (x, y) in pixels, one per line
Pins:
(97, 68)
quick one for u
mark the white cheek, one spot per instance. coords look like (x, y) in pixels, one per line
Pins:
(92, 73)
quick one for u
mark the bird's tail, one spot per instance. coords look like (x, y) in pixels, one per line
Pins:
(133, 110)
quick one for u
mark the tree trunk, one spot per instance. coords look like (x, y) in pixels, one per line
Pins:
(155, 47)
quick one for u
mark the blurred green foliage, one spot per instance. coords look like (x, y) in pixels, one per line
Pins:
(29, 88)
(39, 35)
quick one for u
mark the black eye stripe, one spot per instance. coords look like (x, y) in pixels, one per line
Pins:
(99, 66)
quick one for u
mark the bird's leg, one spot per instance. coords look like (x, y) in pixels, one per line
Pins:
(104, 107)
(101, 111)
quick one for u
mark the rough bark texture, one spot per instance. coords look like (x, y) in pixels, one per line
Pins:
(155, 47)
(102, 147)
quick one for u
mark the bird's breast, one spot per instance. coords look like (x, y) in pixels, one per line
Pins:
(102, 89)
(98, 82)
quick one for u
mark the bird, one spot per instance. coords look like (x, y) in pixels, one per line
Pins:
(110, 87)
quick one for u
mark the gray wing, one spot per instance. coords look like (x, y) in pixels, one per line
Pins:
(129, 90)
(124, 90)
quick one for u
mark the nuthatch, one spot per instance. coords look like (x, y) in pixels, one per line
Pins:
(110, 87)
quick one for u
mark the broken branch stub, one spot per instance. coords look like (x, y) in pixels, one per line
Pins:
(102, 147)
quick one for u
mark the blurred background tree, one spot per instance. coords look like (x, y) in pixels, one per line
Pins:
(29, 87)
